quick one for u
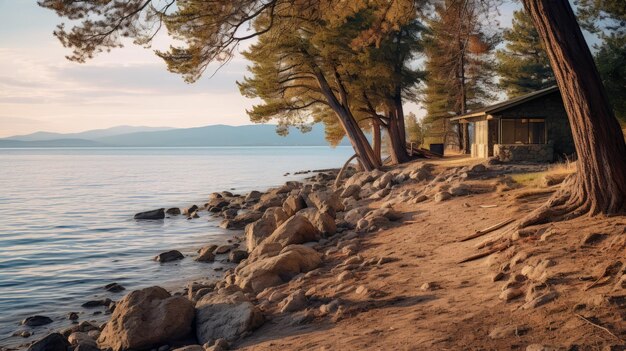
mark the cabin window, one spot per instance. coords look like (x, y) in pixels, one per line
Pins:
(523, 131)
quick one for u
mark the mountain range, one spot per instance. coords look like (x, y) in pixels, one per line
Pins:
(130, 136)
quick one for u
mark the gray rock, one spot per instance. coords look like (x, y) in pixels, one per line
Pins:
(225, 316)
(174, 211)
(151, 215)
(237, 256)
(52, 342)
(169, 256)
(294, 302)
(442, 196)
(223, 249)
(114, 287)
(253, 196)
(35, 321)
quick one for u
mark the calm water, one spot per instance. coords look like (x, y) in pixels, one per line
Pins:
(66, 226)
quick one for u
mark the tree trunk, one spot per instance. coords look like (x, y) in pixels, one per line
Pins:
(398, 144)
(463, 127)
(376, 139)
(354, 133)
(599, 185)
(466, 138)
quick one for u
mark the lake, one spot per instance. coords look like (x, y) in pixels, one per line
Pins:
(67, 228)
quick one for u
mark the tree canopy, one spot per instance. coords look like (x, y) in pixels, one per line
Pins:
(523, 64)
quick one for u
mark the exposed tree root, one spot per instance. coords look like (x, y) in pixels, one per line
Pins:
(565, 204)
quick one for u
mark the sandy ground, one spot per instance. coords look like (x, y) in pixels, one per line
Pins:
(423, 299)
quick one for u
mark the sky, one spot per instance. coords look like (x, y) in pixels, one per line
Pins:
(41, 91)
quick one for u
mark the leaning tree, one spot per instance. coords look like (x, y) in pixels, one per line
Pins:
(599, 185)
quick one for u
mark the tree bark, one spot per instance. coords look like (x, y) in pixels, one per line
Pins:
(376, 139)
(599, 185)
(354, 133)
(398, 152)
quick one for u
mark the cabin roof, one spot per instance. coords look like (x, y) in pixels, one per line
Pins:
(505, 105)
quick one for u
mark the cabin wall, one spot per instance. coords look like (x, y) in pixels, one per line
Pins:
(550, 107)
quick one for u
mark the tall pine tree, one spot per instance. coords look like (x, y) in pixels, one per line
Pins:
(523, 65)
(460, 66)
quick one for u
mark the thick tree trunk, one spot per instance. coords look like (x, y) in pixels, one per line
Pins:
(398, 150)
(599, 185)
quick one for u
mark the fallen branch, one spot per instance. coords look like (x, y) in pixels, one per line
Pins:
(483, 254)
(343, 169)
(487, 206)
(488, 230)
(599, 327)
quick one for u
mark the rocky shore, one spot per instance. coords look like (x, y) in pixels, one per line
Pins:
(307, 253)
(282, 234)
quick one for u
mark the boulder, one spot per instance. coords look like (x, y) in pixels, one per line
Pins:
(35, 321)
(354, 215)
(224, 315)
(147, 318)
(241, 220)
(169, 256)
(230, 213)
(190, 210)
(237, 256)
(460, 189)
(296, 230)
(81, 338)
(253, 196)
(377, 219)
(51, 342)
(114, 287)
(294, 302)
(293, 204)
(320, 220)
(174, 211)
(350, 191)
(271, 271)
(151, 215)
(326, 201)
(206, 254)
(442, 196)
(383, 181)
(256, 232)
(219, 203)
(222, 249)
(270, 199)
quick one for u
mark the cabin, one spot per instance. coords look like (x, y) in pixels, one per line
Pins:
(533, 127)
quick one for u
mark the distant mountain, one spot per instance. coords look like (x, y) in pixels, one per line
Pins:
(7, 143)
(88, 135)
(214, 135)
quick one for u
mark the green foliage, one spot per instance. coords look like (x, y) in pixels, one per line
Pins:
(286, 61)
(460, 65)
(611, 63)
(416, 129)
(605, 17)
(523, 65)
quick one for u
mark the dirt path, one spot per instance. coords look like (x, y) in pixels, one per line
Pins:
(422, 299)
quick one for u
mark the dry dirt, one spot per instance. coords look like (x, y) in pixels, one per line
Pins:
(423, 299)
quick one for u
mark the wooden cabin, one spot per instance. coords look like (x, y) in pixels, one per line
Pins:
(533, 127)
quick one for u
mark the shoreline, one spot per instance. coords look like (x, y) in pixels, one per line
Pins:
(384, 262)
(97, 316)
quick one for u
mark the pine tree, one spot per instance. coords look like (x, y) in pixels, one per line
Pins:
(523, 65)
(460, 66)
